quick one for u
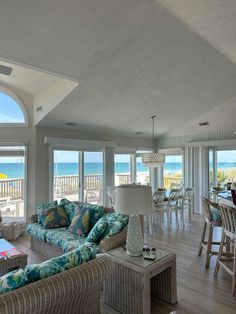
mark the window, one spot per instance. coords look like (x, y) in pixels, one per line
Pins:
(78, 175)
(12, 181)
(123, 169)
(12, 111)
(142, 172)
(173, 170)
(222, 165)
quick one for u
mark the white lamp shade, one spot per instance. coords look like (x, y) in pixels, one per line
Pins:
(134, 200)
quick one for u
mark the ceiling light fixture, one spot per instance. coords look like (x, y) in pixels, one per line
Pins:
(153, 159)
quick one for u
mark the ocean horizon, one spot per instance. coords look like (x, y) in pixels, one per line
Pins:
(16, 170)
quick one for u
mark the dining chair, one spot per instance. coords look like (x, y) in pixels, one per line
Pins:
(186, 203)
(212, 220)
(111, 195)
(158, 205)
(172, 205)
(228, 260)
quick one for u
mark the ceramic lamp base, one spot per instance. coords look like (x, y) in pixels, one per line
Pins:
(134, 241)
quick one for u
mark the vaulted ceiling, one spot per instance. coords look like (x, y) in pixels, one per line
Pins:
(132, 58)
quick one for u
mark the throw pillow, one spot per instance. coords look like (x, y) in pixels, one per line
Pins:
(116, 222)
(84, 253)
(85, 218)
(40, 208)
(69, 207)
(97, 231)
(54, 217)
(80, 223)
(13, 280)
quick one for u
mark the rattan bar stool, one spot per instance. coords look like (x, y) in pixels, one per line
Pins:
(228, 260)
(212, 220)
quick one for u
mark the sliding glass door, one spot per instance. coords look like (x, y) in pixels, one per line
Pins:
(173, 170)
(123, 169)
(222, 165)
(66, 179)
(78, 175)
(93, 177)
(12, 181)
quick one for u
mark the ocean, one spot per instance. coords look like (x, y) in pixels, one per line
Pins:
(16, 170)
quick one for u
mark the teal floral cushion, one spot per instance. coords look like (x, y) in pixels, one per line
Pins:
(69, 207)
(37, 231)
(13, 280)
(40, 208)
(70, 245)
(98, 230)
(61, 263)
(59, 236)
(116, 222)
(215, 215)
(54, 217)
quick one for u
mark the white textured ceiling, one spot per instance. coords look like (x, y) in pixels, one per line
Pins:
(132, 58)
(25, 79)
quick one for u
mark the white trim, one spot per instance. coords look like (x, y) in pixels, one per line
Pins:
(24, 124)
(77, 144)
(219, 143)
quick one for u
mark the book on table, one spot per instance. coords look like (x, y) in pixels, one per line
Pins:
(7, 250)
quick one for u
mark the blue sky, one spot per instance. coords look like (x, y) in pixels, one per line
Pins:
(10, 112)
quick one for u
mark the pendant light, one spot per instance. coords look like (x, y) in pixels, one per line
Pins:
(153, 159)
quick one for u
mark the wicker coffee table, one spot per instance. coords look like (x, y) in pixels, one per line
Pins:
(9, 264)
(135, 279)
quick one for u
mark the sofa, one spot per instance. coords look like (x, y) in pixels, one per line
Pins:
(56, 241)
(76, 290)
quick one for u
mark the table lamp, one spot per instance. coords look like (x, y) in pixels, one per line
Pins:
(134, 200)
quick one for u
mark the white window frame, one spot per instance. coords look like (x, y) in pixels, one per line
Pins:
(22, 107)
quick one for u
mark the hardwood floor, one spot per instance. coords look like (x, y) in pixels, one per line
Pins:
(199, 292)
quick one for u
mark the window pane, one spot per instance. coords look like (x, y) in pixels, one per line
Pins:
(173, 170)
(12, 170)
(142, 172)
(93, 177)
(225, 166)
(66, 175)
(122, 169)
(10, 111)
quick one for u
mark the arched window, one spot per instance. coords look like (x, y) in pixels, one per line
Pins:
(12, 111)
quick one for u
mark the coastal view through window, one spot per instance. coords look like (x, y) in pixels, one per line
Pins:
(222, 166)
(12, 172)
(173, 170)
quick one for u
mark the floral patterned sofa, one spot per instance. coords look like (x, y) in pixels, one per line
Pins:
(70, 283)
(56, 241)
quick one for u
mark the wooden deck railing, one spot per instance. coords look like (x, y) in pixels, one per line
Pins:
(169, 180)
(12, 188)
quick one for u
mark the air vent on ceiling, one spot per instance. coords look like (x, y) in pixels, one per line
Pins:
(71, 124)
(5, 70)
(39, 109)
(204, 123)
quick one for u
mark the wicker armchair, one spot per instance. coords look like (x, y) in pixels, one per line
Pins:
(76, 290)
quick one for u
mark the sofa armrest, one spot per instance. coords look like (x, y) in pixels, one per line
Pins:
(33, 218)
(113, 242)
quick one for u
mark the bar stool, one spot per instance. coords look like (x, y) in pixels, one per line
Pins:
(212, 220)
(228, 260)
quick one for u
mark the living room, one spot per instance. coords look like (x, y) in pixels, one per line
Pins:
(88, 88)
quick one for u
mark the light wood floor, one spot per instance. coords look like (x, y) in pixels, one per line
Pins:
(199, 292)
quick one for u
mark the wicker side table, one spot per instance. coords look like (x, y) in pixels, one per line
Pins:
(10, 264)
(134, 280)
